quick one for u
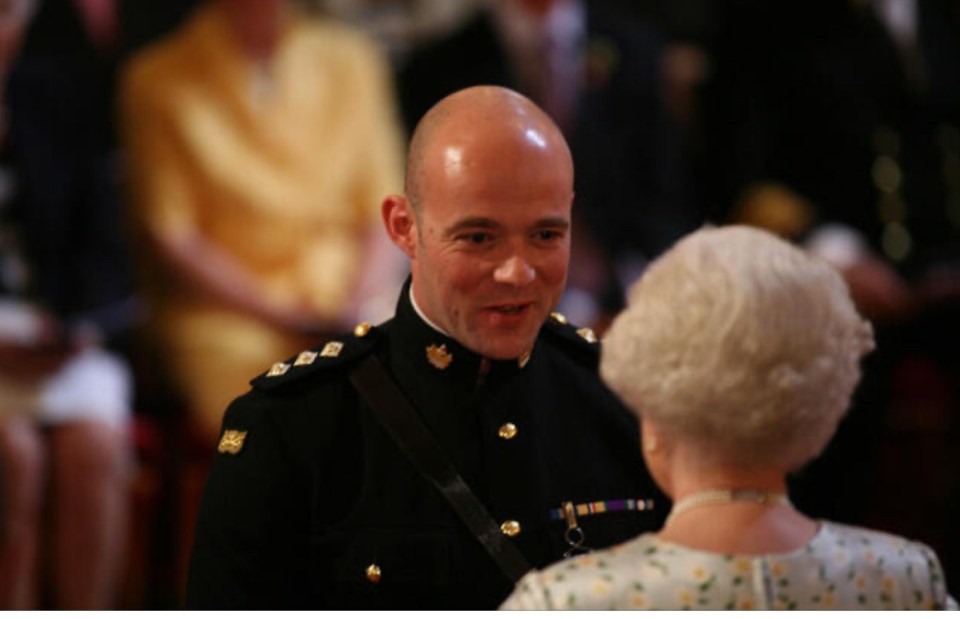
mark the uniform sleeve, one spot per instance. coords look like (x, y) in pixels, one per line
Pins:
(529, 594)
(251, 543)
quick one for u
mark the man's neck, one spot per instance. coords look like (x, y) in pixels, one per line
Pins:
(423, 317)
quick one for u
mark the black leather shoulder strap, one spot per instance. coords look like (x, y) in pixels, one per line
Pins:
(380, 391)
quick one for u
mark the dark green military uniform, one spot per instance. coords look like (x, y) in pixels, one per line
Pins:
(310, 504)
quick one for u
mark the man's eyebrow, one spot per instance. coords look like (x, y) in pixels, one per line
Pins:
(553, 222)
(471, 223)
(484, 223)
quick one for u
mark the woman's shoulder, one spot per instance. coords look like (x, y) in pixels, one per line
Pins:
(909, 566)
(579, 582)
(869, 541)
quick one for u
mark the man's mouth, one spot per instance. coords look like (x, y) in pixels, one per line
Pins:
(510, 309)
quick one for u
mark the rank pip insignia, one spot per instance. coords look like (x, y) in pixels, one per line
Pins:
(331, 349)
(231, 442)
(278, 369)
(305, 358)
(438, 356)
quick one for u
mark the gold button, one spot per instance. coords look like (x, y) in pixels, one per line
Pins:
(362, 329)
(510, 528)
(507, 431)
(559, 317)
(373, 573)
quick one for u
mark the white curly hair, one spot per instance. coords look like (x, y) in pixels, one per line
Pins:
(741, 342)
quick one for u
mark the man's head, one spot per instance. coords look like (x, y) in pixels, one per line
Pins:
(486, 218)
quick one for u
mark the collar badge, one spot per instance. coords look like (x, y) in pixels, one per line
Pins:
(438, 356)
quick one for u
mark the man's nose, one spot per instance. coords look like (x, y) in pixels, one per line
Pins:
(515, 270)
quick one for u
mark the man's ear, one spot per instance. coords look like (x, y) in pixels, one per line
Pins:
(401, 224)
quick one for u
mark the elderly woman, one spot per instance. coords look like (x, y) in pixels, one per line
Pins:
(739, 352)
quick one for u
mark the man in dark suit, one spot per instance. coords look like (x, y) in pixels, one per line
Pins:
(311, 503)
(597, 72)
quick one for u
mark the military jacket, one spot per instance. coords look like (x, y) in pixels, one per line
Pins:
(310, 503)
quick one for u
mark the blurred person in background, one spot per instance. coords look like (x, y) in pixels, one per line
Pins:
(838, 124)
(855, 106)
(398, 25)
(67, 303)
(739, 353)
(259, 142)
(597, 72)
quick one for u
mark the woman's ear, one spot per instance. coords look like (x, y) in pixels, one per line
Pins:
(655, 440)
(651, 444)
(650, 436)
(657, 454)
(401, 224)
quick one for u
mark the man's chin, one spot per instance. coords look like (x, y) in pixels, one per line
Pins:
(506, 350)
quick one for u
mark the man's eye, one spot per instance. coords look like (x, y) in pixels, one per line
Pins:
(549, 235)
(476, 238)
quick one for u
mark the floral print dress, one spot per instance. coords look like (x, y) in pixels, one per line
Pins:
(842, 567)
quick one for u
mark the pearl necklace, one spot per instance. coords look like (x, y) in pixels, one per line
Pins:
(720, 496)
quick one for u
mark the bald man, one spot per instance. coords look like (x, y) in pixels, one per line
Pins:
(312, 503)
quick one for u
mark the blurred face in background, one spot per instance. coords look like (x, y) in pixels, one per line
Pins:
(257, 24)
(537, 7)
(14, 15)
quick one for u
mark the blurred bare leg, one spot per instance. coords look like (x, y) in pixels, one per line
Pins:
(22, 462)
(91, 485)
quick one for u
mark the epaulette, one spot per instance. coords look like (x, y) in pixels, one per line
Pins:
(581, 340)
(335, 353)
